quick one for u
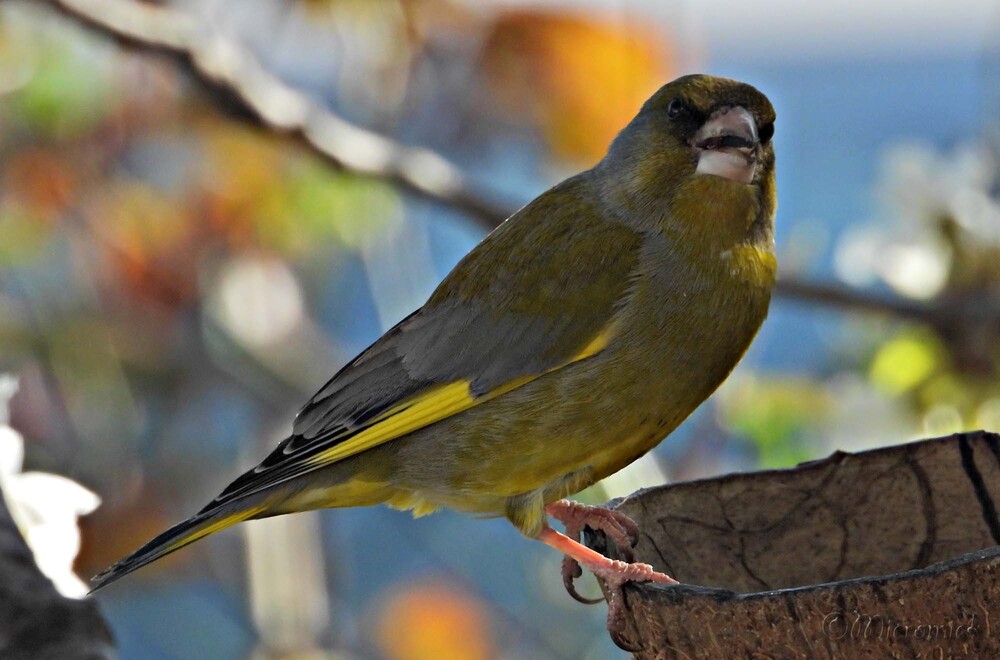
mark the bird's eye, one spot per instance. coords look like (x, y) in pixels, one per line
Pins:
(766, 132)
(676, 108)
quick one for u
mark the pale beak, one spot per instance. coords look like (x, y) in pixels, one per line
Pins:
(726, 145)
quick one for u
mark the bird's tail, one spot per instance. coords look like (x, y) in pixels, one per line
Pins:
(175, 538)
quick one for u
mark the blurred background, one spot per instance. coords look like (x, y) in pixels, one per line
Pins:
(178, 276)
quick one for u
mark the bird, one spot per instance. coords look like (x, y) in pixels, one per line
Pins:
(566, 345)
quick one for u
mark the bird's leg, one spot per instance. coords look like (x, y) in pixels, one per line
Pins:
(614, 573)
(619, 528)
(570, 566)
(575, 516)
(622, 531)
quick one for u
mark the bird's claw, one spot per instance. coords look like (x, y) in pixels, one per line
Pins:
(624, 534)
(617, 527)
(615, 576)
(571, 570)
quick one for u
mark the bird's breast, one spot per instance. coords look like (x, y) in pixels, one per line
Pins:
(684, 330)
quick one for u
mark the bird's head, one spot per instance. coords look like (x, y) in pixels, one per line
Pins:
(714, 133)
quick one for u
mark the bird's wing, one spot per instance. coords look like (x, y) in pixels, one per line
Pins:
(539, 293)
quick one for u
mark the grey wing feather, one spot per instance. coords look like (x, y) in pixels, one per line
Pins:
(490, 321)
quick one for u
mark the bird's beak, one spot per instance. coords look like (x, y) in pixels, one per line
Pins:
(727, 144)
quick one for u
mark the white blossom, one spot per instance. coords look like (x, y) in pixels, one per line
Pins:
(44, 506)
(917, 187)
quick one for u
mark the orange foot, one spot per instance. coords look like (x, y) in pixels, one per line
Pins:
(621, 531)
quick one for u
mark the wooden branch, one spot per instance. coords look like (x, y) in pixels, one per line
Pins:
(36, 621)
(884, 553)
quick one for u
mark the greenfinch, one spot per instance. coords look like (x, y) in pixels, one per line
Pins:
(566, 345)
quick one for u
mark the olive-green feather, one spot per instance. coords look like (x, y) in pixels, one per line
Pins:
(497, 321)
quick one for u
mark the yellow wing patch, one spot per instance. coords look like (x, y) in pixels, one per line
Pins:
(597, 344)
(436, 404)
(428, 407)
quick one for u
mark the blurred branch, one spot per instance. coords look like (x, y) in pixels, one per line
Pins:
(954, 318)
(833, 295)
(238, 82)
(36, 621)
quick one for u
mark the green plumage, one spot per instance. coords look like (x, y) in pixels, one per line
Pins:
(586, 328)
